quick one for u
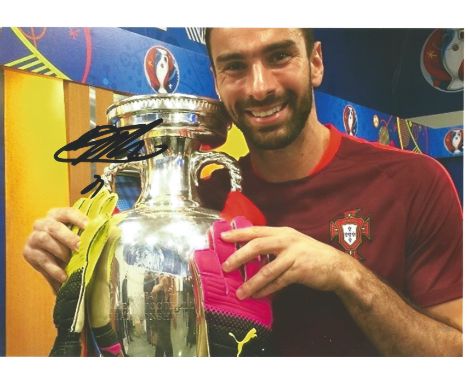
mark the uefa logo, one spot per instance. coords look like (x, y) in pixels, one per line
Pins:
(350, 120)
(161, 69)
(442, 59)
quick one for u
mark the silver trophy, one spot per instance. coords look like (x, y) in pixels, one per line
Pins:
(152, 304)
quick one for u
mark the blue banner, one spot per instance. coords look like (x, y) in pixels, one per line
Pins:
(375, 126)
(112, 58)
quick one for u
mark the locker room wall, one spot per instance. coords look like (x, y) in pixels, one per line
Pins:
(42, 114)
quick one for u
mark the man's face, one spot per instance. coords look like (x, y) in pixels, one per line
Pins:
(263, 77)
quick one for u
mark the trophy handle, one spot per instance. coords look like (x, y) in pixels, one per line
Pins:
(200, 159)
(111, 171)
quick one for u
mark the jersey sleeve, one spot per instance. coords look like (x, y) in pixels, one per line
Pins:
(434, 250)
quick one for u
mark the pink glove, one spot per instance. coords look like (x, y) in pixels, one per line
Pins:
(235, 327)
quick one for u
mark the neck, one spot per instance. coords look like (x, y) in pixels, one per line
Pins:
(295, 161)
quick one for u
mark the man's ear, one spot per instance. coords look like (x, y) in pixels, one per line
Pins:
(316, 64)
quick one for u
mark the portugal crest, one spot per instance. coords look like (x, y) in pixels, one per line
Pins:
(350, 231)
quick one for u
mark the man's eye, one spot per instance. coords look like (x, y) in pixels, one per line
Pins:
(234, 67)
(279, 57)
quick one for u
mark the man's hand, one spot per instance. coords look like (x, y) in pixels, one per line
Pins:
(299, 259)
(49, 245)
(395, 327)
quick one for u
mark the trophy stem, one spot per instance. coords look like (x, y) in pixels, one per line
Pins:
(166, 184)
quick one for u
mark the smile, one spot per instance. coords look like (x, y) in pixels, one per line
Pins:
(266, 113)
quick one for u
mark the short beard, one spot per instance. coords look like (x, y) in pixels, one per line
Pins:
(293, 127)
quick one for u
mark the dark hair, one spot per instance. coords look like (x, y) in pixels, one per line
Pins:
(308, 34)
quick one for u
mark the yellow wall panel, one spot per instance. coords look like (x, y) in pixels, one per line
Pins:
(35, 182)
(235, 146)
(77, 116)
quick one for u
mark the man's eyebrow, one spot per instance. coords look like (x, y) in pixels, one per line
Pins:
(228, 57)
(286, 44)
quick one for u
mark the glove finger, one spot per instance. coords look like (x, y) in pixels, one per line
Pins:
(97, 202)
(240, 222)
(79, 257)
(207, 263)
(93, 239)
(98, 290)
(108, 205)
(79, 203)
(222, 248)
(83, 205)
(250, 268)
(97, 241)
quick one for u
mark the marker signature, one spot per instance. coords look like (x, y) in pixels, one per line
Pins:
(115, 144)
(109, 144)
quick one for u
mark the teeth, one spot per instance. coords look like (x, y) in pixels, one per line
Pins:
(267, 113)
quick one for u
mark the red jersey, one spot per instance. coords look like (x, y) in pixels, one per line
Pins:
(395, 211)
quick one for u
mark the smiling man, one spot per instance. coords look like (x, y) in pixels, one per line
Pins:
(366, 241)
(269, 119)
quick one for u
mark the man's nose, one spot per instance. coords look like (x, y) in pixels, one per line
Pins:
(261, 82)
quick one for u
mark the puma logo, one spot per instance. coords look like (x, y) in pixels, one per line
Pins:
(240, 344)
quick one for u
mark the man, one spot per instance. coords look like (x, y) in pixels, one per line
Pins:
(350, 224)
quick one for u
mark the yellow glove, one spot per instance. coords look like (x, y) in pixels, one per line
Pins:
(69, 310)
(99, 298)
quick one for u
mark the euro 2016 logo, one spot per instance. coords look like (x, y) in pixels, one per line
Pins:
(350, 120)
(161, 70)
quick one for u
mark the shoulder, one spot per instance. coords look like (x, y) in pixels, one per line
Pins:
(394, 162)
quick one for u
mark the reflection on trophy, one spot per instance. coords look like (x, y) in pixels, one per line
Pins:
(153, 309)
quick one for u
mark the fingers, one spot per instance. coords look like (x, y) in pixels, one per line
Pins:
(261, 241)
(252, 250)
(246, 234)
(68, 215)
(46, 264)
(276, 285)
(53, 237)
(48, 246)
(57, 222)
(268, 279)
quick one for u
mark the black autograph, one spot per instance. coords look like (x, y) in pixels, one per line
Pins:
(115, 143)
(110, 144)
